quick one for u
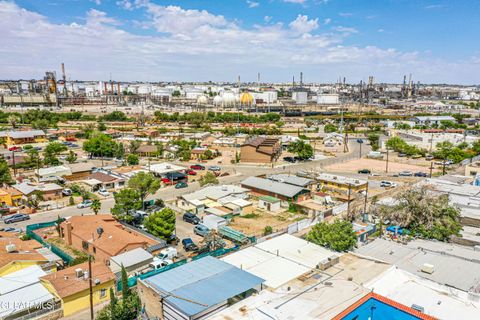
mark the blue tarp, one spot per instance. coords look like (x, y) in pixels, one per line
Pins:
(397, 230)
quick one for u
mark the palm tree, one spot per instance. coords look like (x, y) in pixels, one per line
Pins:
(96, 206)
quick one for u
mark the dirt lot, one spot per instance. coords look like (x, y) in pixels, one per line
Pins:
(255, 223)
(377, 166)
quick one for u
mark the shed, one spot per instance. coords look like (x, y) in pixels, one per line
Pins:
(214, 222)
(132, 260)
(269, 203)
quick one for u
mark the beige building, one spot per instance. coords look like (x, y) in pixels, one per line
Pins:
(261, 150)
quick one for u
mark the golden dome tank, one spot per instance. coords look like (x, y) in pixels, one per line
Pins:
(246, 98)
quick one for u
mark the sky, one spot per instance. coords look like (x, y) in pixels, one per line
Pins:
(218, 40)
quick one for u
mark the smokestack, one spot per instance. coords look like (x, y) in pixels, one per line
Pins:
(301, 79)
(118, 88)
(64, 76)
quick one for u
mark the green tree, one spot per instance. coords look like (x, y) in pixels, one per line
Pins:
(119, 151)
(34, 199)
(338, 236)
(373, 138)
(101, 126)
(13, 120)
(100, 145)
(41, 124)
(128, 308)
(328, 128)
(126, 200)
(176, 93)
(132, 159)
(72, 157)
(185, 155)
(134, 145)
(96, 206)
(52, 150)
(302, 149)
(5, 176)
(208, 178)
(161, 223)
(424, 214)
(144, 183)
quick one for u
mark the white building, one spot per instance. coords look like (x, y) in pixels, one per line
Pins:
(300, 97)
(331, 98)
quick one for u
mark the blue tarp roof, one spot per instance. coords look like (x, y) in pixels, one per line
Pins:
(208, 281)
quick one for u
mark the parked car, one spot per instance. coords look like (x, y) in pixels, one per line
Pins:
(16, 218)
(402, 155)
(416, 156)
(289, 159)
(201, 230)
(388, 184)
(73, 145)
(158, 263)
(429, 157)
(405, 174)
(191, 218)
(154, 208)
(11, 229)
(189, 245)
(166, 180)
(67, 192)
(214, 168)
(191, 172)
(173, 239)
(103, 192)
(181, 185)
(84, 204)
(197, 167)
(15, 148)
(364, 171)
(420, 174)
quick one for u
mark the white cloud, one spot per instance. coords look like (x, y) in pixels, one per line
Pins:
(252, 4)
(303, 25)
(345, 14)
(97, 2)
(267, 19)
(126, 4)
(327, 21)
(196, 45)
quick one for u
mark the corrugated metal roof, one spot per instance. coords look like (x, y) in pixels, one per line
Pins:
(208, 281)
(275, 187)
(291, 179)
(132, 257)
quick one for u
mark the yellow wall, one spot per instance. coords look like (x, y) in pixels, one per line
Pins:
(8, 199)
(18, 265)
(81, 300)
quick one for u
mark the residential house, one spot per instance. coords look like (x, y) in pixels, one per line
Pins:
(104, 179)
(10, 196)
(333, 139)
(286, 192)
(147, 150)
(429, 120)
(71, 286)
(49, 191)
(22, 295)
(23, 137)
(208, 282)
(340, 184)
(17, 254)
(103, 236)
(260, 150)
(269, 203)
(293, 180)
(210, 196)
(56, 171)
(79, 170)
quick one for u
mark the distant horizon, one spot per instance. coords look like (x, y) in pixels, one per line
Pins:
(201, 41)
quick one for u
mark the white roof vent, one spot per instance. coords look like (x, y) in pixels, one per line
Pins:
(78, 272)
(428, 268)
(10, 248)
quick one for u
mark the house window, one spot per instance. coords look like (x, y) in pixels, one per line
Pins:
(85, 245)
(103, 293)
(94, 250)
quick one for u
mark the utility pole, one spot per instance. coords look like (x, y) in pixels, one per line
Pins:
(386, 165)
(431, 169)
(90, 285)
(14, 164)
(348, 201)
(366, 200)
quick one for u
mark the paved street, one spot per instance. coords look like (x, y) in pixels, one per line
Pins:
(238, 173)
